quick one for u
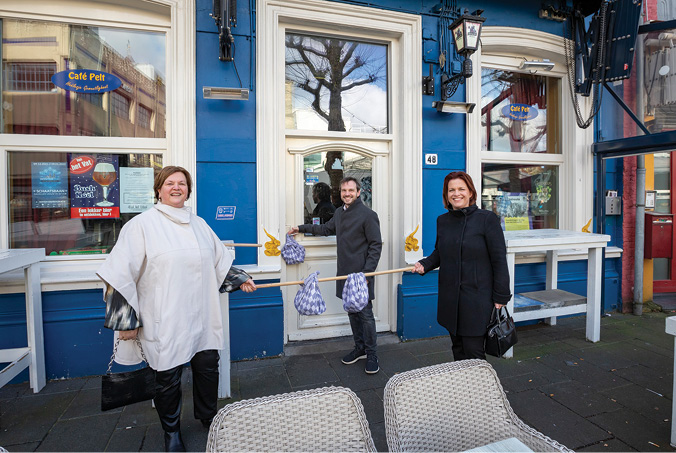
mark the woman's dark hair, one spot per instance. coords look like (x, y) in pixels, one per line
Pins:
(323, 191)
(468, 181)
(165, 173)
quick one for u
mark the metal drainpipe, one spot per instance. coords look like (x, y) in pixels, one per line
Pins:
(640, 190)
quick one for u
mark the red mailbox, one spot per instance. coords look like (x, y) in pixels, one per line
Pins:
(659, 233)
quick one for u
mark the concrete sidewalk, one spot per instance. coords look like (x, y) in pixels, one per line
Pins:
(614, 395)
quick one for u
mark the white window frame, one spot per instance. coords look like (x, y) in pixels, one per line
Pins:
(505, 48)
(176, 18)
(403, 32)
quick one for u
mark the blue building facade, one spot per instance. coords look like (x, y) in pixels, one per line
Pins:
(261, 156)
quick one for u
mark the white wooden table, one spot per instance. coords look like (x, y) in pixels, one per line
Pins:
(551, 241)
(670, 328)
(32, 356)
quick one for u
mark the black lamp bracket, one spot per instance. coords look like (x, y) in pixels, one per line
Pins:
(449, 85)
(428, 83)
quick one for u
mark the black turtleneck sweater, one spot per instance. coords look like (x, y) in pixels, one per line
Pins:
(470, 253)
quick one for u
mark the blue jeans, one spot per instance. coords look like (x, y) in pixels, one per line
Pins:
(363, 326)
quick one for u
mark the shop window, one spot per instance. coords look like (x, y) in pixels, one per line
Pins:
(76, 203)
(29, 76)
(336, 84)
(33, 51)
(525, 197)
(323, 172)
(520, 113)
(144, 115)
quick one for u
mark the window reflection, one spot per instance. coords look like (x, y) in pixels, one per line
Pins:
(335, 84)
(322, 175)
(33, 51)
(525, 197)
(519, 112)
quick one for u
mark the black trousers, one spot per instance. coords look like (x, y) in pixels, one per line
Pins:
(468, 347)
(363, 326)
(205, 390)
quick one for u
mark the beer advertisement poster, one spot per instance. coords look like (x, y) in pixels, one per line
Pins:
(49, 182)
(94, 186)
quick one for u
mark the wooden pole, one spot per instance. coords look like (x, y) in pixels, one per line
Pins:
(329, 279)
(230, 244)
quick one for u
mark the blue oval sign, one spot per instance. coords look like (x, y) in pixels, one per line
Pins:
(86, 81)
(520, 112)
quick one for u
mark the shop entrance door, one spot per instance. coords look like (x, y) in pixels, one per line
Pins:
(315, 172)
(664, 271)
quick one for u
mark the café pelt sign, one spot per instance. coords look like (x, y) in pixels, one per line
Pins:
(86, 81)
(520, 112)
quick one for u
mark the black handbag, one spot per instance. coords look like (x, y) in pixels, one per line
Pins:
(501, 333)
(121, 389)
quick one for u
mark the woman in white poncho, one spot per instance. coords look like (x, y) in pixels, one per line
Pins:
(162, 281)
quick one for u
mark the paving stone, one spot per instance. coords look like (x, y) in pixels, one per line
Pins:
(354, 377)
(527, 381)
(582, 371)
(317, 372)
(608, 445)
(397, 361)
(580, 398)
(647, 378)
(86, 402)
(154, 440)
(31, 446)
(379, 436)
(427, 346)
(645, 402)
(435, 358)
(258, 363)
(607, 356)
(137, 414)
(635, 430)
(127, 439)
(270, 380)
(555, 420)
(29, 418)
(373, 406)
(76, 434)
(12, 391)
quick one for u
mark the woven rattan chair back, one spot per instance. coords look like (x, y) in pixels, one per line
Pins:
(325, 419)
(453, 407)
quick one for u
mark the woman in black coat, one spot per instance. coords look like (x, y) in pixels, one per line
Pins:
(473, 277)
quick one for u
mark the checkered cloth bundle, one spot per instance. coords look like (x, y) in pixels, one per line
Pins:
(292, 251)
(355, 293)
(308, 300)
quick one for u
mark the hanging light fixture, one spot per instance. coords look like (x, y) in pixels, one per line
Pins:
(466, 31)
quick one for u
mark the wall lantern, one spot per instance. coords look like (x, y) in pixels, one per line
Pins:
(466, 31)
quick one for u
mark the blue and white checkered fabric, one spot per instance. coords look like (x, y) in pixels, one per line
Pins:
(292, 251)
(308, 300)
(355, 293)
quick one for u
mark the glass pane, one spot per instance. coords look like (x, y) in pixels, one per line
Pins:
(525, 197)
(519, 112)
(32, 52)
(322, 173)
(75, 204)
(335, 84)
(661, 266)
(659, 69)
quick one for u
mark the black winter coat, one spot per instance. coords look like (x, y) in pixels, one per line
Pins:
(358, 241)
(471, 255)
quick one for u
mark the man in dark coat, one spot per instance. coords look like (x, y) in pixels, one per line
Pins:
(358, 244)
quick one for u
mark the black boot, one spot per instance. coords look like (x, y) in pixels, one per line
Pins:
(173, 441)
(168, 405)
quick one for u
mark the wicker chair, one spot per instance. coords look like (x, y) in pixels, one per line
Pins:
(453, 407)
(324, 419)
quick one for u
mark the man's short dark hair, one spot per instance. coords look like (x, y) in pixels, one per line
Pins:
(347, 179)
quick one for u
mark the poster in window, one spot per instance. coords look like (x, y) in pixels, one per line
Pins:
(513, 211)
(49, 185)
(94, 186)
(136, 189)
